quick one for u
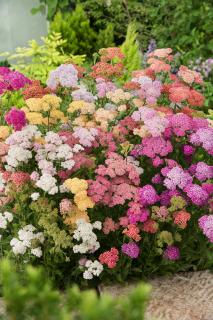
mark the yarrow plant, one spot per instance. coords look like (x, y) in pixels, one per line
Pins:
(109, 180)
(11, 80)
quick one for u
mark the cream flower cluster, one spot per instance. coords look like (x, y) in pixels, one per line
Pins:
(118, 95)
(47, 183)
(93, 268)
(55, 149)
(84, 233)
(4, 219)
(20, 145)
(28, 239)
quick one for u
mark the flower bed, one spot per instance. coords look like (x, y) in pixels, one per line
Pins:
(106, 180)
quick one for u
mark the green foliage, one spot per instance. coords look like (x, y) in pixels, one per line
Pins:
(36, 61)
(105, 37)
(31, 296)
(208, 92)
(130, 49)
(185, 25)
(117, 12)
(8, 99)
(48, 220)
(52, 7)
(91, 25)
(75, 28)
(4, 63)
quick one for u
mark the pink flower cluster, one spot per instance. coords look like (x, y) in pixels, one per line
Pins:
(206, 224)
(103, 86)
(110, 258)
(131, 249)
(11, 80)
(16, 118)
(172, 253)
(116, 181)
(149, 90)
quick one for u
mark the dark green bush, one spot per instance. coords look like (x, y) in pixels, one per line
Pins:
(32, 297)
(184, 25)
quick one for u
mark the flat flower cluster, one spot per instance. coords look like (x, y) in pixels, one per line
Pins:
(11, 80)
(105, 178)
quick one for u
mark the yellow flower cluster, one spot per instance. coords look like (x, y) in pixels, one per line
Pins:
(44, 110)
(118, 95)
(78, 187)
(82, 106)
(75, 214)
(4, 132)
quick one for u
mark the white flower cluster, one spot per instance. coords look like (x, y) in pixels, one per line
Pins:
(85, 136)
(54, 149)
(47, 183)
(84, 233)
(27, 238)
(21, 143)
(4, 219)
(50, 155)
(94, 268)
(34, 196)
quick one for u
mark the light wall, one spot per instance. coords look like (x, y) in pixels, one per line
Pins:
(18, 25)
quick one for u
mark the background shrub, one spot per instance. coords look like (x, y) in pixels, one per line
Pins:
(185, 25)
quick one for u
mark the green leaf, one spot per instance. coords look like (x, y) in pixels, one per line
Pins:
(52, 6)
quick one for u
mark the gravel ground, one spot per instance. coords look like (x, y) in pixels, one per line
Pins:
(185, 296)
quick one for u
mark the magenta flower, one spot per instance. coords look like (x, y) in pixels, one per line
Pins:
(206, 224)
(138, 217)
(208, 187)
(16, 118)
(196, 194)
(131, 249)
(156, 146)
(172, 253)
(203, 137)
(188, 150)
(180, 124)
(148, 195)
(203, 171)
